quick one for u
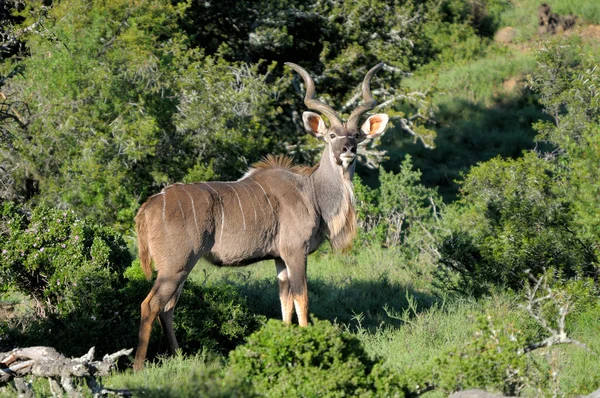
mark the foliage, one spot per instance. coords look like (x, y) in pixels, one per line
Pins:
(63, 262)
(213, 317)
(482, 110)
(319, 360)
(118, 106)
(492, 360)
(136, 96)
(512, 222)
(400, 212)
(567, 83)
(105, 102)
(76, 274)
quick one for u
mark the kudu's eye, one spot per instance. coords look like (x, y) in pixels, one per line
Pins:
(332, 136)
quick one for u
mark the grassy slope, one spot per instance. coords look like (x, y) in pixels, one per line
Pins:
(482, 107)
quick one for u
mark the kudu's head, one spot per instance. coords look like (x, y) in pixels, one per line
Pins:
(342, 138)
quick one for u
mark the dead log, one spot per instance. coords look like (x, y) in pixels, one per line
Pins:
(62, 372)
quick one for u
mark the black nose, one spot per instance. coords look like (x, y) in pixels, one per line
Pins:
(348, 148)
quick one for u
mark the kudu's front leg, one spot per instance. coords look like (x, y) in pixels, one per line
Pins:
(296, 272)
(285, 292)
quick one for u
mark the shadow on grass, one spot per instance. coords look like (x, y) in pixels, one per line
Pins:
(354, 303)
(216, 316)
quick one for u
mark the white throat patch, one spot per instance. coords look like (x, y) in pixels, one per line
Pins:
(347, 161)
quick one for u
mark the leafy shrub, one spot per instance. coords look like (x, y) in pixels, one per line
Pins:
(513, 220)
(319, 360)
(63, 262)
(492, 360)
(214, 317)
(400, 212)
(387, 213)
(567, 85)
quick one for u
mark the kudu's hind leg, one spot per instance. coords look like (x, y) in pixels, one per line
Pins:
(285, 293)
(296, 269)
(164, 290)
(166, 319)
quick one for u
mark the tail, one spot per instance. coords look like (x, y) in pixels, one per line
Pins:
(142, 240)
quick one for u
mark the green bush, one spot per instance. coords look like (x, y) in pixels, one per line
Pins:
(512, 220)
(63, 262)
(393, 213)
(492, 360)
(214, 317)
(567, 84)
(319, 360)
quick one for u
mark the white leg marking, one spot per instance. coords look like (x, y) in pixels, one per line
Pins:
(173, 301)
(222, 210)
(239, 202)
(265, 192)
(193, 210)
(251, 201)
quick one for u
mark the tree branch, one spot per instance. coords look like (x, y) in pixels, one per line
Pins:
(534, 307)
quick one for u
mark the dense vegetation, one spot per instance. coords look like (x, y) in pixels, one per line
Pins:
(479, 219)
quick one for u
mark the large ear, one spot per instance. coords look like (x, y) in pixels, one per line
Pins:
(374, 126)
(314, 125)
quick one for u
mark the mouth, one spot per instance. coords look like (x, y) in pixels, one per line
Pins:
(347, 160)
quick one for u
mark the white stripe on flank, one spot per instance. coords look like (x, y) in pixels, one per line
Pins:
(184, 223)
(164, 207)
(256, 199)
(251, 201)
(239, 202)
(181, 209)
(222, 210)
(265, 192)
(193, 210)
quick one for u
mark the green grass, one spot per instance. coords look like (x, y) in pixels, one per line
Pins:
(199, 375)
(481, 82)
(371, 282)
(394, 310)
(477, 115)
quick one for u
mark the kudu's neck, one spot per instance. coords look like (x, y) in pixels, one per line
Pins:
(334, 199)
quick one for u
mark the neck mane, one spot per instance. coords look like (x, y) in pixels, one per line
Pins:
(335, 200)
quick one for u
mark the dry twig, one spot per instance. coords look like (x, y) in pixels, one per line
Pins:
(61, 372)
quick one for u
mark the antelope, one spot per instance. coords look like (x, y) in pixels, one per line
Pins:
(275, 211)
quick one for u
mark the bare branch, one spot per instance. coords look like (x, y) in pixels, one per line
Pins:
(48, 363)
(406, 126)
(534, 307)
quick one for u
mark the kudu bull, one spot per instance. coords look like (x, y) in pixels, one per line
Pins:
(275, 211)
